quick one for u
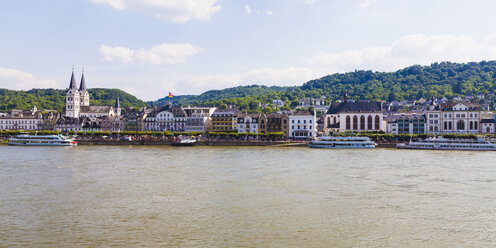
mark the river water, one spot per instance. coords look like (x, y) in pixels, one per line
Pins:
(142, 196)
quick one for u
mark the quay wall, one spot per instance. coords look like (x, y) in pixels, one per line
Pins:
(201, 143)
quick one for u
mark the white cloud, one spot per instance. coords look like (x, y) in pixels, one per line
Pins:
(309, 1)
(160, 54)
(265, 12)
(405, 51)
(248, 9)
(408, 50)
(366, 3)
(173, 10)
(19, 80)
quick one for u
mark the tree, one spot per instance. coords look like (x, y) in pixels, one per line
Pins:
(268, 110)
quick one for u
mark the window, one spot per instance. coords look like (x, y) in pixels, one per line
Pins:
(348, 122)
(369, 122)
(377, 122)
(355, 122)
(362, 122)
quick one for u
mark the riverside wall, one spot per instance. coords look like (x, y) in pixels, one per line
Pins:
(210, 143)
(201, 143)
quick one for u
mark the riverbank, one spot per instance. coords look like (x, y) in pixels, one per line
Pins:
(211, 143)
(200, 143)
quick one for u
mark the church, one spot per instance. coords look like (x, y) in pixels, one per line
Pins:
(77, 103)
(348, 116)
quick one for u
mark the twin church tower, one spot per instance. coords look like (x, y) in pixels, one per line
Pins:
(77, 102)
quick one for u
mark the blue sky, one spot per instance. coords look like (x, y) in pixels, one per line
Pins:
(151, 47)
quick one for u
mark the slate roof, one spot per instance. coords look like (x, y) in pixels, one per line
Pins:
(488, 121)
(117, 102)
(72, 83)
(95, 109)
(82, 86)
(337, 108)
(69, 120)
(233, 112)
(448, 106)
(302, 113)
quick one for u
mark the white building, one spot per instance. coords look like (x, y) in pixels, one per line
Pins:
(22, 120)
(77, 102)
(354, 116)
(488, 126)
(248, 123)
(198, 118)
(302, 125)
(451, 117)
(166, 119)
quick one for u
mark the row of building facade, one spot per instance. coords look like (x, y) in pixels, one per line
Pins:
(441, 117)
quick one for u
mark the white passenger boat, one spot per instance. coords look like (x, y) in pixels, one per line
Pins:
(41, 140)
(450, 144)
(334, 142)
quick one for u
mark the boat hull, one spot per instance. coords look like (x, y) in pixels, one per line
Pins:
(33, 144)
(445, 148)
(183, 144)
(341, 147)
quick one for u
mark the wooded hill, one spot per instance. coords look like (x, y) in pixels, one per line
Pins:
(55, 99)
(439, 80)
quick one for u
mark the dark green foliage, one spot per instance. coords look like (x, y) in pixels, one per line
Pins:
(439, 80)
(444, 79)
(55, 99)
(213, 95)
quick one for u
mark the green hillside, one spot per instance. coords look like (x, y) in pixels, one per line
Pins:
(55, 99)
(439, 80)
(213, 95)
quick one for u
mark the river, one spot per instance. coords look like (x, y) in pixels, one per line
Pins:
(146, 196)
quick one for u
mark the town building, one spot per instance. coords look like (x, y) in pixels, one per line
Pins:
(134, 120)
(224, 120)
(23, 120)
(488, 126)
(406, 123)
(274, 123)
(302, 125)
(198, 118)
(248, 123)
(67, 124)
(452, 117)
(168, 118)
(112, 123)
(354, 116)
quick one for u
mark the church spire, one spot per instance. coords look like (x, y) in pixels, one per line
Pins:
(117, 103)
(72, 84)
(82, 86)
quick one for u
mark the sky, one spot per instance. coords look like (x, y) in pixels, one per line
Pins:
(152, 47)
